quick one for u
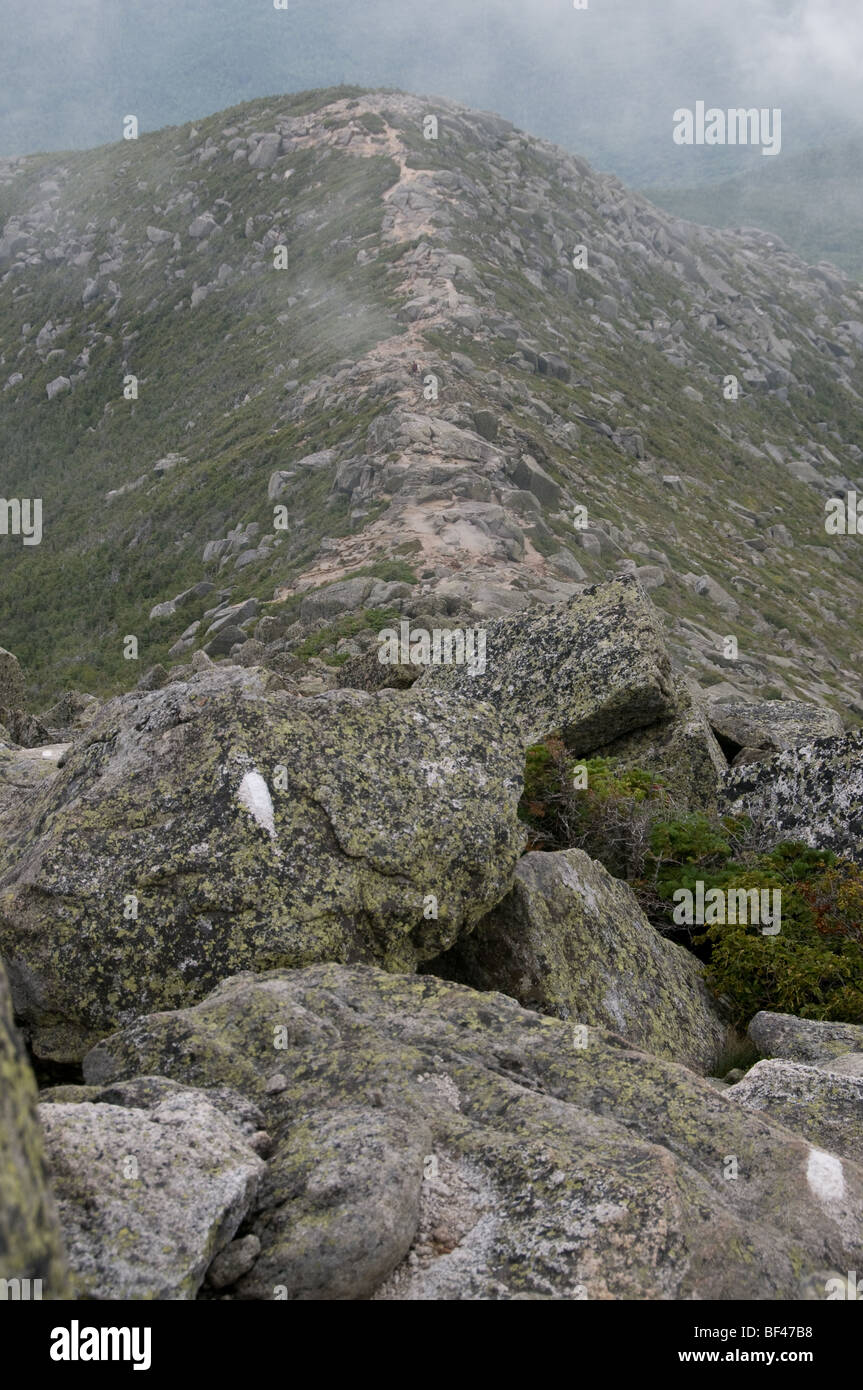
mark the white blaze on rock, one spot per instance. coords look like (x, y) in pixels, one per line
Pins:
(825, 1176)
(254, 794)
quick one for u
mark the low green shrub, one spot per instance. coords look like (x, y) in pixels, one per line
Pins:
(626, 819)
(595, 805)
(813, 967)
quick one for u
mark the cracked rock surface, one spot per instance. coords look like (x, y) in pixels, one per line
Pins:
(431, 1142)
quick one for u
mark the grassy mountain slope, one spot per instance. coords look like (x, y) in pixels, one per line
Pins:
(409, 257)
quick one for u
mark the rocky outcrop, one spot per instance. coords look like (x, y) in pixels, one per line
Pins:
(571, 941)
(813, 793)
(17, 725)
(592, 669)
(218, 825)
(680, 750)
(23, 773)
(150, 1187)
(436, 1143)
(368, 672)
(70, 714)
(336, 599)
(805, 1040)
(752, 732)
(30, 1242)
(824, 1106)
(24, 729)
(497, 425)
(491, 409)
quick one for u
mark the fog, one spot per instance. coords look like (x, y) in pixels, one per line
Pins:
(602, 81)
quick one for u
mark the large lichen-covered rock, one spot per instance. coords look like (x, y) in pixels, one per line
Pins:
(805, 1039)
(813, 793)
(30, 1243)
(572, 941)
(679, 749)
(148, 1194)
(825, 1106)
(536, 1162)
(591, 670)
(23, 771)
(751, 732)
(218, 825)
(11, 681)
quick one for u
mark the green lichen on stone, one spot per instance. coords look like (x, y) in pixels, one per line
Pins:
(30, 1243)
(572, 941)
(208, 828)
(593, 669)
(596, 1167)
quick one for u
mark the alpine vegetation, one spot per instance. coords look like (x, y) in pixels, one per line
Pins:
(747, 906)
(431, 792)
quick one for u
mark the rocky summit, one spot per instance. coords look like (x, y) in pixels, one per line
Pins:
(431, 818)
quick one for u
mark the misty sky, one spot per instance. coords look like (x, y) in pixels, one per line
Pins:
(602, 82)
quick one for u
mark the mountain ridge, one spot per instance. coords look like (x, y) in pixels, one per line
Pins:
(559, 389)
